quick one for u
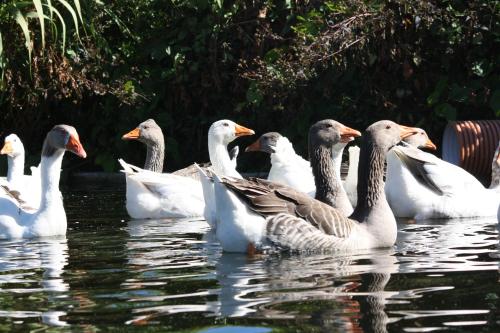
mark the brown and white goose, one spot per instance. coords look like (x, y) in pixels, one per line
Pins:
(152, 194)
(50, 218)
(256, 213)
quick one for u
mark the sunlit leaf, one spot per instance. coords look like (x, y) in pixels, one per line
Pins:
(73, 14)
(24, 27)
(39, 10)
(78, 9)
(63, 25)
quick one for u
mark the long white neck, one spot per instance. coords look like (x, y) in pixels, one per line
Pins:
(219, 157)
(15, 168)
(50, 172)
(352, 172)
(337, 152)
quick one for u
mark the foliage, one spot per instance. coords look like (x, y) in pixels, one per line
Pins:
(271, 65)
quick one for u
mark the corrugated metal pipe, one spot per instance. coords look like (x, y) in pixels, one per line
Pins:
(471, 144)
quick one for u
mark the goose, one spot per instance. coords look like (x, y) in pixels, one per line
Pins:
(419, 140)
(287, 167)
(27, 187)
(50, 218)
(220, 134)
(256, 214)
(422, 186)
(291, 169)
(151, 194)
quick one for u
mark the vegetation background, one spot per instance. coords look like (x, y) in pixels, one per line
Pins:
(105, 66)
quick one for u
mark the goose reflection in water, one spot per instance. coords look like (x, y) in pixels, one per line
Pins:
(352, 284)
(21, 257)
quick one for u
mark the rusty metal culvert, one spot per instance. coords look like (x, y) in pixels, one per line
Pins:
(471, 144)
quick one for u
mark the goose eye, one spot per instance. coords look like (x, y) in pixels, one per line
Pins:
(388, 127)
(421, 133)
(328, 125)
(225, 124)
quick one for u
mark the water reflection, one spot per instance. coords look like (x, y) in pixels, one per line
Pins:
(448, 245)
(172, 275)
(20, 264)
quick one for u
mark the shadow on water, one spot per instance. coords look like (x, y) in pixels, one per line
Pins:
(170, 275)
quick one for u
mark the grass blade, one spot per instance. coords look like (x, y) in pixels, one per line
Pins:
(73, 14)
(21, 20)
(63, 25)
(78, 9)
(51, 15)
(39, 10)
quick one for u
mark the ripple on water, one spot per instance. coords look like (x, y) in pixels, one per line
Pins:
(110, 271)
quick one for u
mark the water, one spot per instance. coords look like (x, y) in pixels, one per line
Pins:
(111, 273)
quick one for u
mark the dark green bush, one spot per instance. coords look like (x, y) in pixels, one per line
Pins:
(270, 65)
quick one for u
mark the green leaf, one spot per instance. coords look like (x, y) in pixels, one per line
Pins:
(129, 87)
(78, 9)
(436, 94)
(254, 95)
(39, 10)
(478, 69)
(459, 94)
(63, 24)
(495, 101)
(24, 27)
(446, 111)
(73, 14)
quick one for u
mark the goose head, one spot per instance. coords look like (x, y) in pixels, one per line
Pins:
(13, 146)
(224, 131)
(61, 138)
(148, 132)
(267, 143)
(329, 133)
(420, 140)
(385, 134)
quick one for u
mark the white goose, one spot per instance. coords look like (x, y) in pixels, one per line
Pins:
(419, 140)
(422, 186)
(28, 187)
(152, 194)
(254, 214)
(50, 218)
(291, 169)
(287, 167)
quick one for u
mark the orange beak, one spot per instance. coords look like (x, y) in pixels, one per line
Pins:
(242, 131)
(254, 146)
(7, 148)
(132, 135)
(430, 145)
(348, 134)
(406, 131)
(75, 146)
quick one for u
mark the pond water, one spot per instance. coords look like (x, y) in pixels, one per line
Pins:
(111, 273)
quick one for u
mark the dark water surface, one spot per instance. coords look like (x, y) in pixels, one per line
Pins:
(111, 273)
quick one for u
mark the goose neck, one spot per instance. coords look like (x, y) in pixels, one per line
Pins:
(15, 168)
(219, 157)
(370, 181)
(50, 173)
(325, 177)
(154, 157)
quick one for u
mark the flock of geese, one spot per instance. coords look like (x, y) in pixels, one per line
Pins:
(302, 205)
